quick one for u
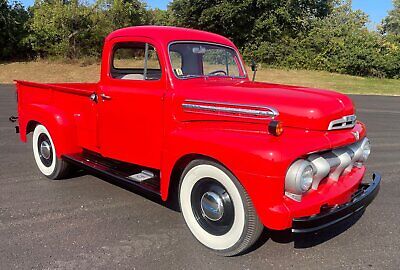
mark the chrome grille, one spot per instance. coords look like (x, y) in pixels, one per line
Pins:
(337, 162)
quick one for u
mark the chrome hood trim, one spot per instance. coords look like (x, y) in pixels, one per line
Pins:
(201, 106)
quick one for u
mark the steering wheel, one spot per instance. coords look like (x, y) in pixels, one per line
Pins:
(215, 72)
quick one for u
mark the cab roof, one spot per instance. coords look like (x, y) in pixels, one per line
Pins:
(167, 34)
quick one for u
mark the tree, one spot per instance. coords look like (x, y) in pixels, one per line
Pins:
(250, 21)
(13, 30)
(73, 28)
(160, 17)
(391, 24)
(340, 42)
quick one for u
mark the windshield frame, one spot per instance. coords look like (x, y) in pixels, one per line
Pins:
(241, 65)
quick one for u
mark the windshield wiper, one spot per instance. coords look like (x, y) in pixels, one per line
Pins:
(190, 76)
(224, 76)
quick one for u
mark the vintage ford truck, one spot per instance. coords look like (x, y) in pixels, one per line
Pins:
(176, 115)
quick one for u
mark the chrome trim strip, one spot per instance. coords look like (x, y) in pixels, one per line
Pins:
(209, 106)
(343, 122)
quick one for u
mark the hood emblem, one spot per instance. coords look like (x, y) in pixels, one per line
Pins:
(356, 135)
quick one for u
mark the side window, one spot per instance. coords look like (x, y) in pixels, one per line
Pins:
(135, 61)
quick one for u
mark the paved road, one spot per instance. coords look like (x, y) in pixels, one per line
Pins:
(87, 223)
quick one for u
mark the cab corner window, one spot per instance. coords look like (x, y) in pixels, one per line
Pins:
(135, 61)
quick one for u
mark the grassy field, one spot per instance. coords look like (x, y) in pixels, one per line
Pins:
(43, 71)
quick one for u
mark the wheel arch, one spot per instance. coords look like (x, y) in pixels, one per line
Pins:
(30, 126)
(179, 167)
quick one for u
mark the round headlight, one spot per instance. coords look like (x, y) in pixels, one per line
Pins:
(299, 177)
(366, 151)
(306, 178)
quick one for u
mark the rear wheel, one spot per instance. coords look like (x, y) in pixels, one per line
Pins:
(45, 154)
(217, 209)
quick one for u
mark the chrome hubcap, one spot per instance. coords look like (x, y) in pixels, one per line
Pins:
(45, 149)
(212, 206)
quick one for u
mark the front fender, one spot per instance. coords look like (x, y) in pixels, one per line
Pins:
(252, 157)
(258, 159)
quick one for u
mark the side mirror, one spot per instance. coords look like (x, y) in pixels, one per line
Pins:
(253, 65)
(254, 68)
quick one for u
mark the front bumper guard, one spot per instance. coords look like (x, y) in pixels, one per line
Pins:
(360, 200)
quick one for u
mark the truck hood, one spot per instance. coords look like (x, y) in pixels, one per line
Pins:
(298, 107)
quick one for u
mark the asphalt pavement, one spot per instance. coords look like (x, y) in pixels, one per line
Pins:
(88, 223)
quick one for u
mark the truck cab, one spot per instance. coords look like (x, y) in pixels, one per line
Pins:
(175, 114)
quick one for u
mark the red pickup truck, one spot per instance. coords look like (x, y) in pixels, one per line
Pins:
(175, 113)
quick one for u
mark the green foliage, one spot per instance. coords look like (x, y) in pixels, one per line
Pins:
(249, 21)
(339, 42)
(302, 34)
(160, 17)
(74, 29)
(391, 24)
(13, 29)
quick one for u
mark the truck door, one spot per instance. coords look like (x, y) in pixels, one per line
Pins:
(131, 103)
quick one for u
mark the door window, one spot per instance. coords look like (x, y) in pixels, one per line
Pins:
(135, 61)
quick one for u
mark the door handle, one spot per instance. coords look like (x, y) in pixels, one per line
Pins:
(105, 97)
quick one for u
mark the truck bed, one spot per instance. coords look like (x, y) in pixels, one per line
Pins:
(66, 104)
(85, 89)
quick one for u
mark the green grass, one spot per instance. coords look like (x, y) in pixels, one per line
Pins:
(57, 71)
(332, 81)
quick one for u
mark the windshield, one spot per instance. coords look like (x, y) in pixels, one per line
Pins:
(193, 60)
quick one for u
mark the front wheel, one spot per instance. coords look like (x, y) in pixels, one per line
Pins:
(45, 154)
(217, 209)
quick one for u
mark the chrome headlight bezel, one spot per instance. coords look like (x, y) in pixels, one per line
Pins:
(366, 151)
(299, 177)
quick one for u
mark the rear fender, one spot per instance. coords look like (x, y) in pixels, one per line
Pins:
(60, 125)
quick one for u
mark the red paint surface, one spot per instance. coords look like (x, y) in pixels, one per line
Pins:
(144, 123)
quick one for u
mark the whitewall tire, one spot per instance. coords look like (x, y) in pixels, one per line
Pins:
(217, 209)
(44, 152)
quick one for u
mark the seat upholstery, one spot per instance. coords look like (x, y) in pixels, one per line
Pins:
(132, 77)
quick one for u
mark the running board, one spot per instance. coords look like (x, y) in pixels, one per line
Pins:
(131, 174)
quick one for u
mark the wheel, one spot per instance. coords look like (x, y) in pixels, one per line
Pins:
(217, 209)
(44, 152)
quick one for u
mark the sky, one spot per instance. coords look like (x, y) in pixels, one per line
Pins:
(376, 9)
